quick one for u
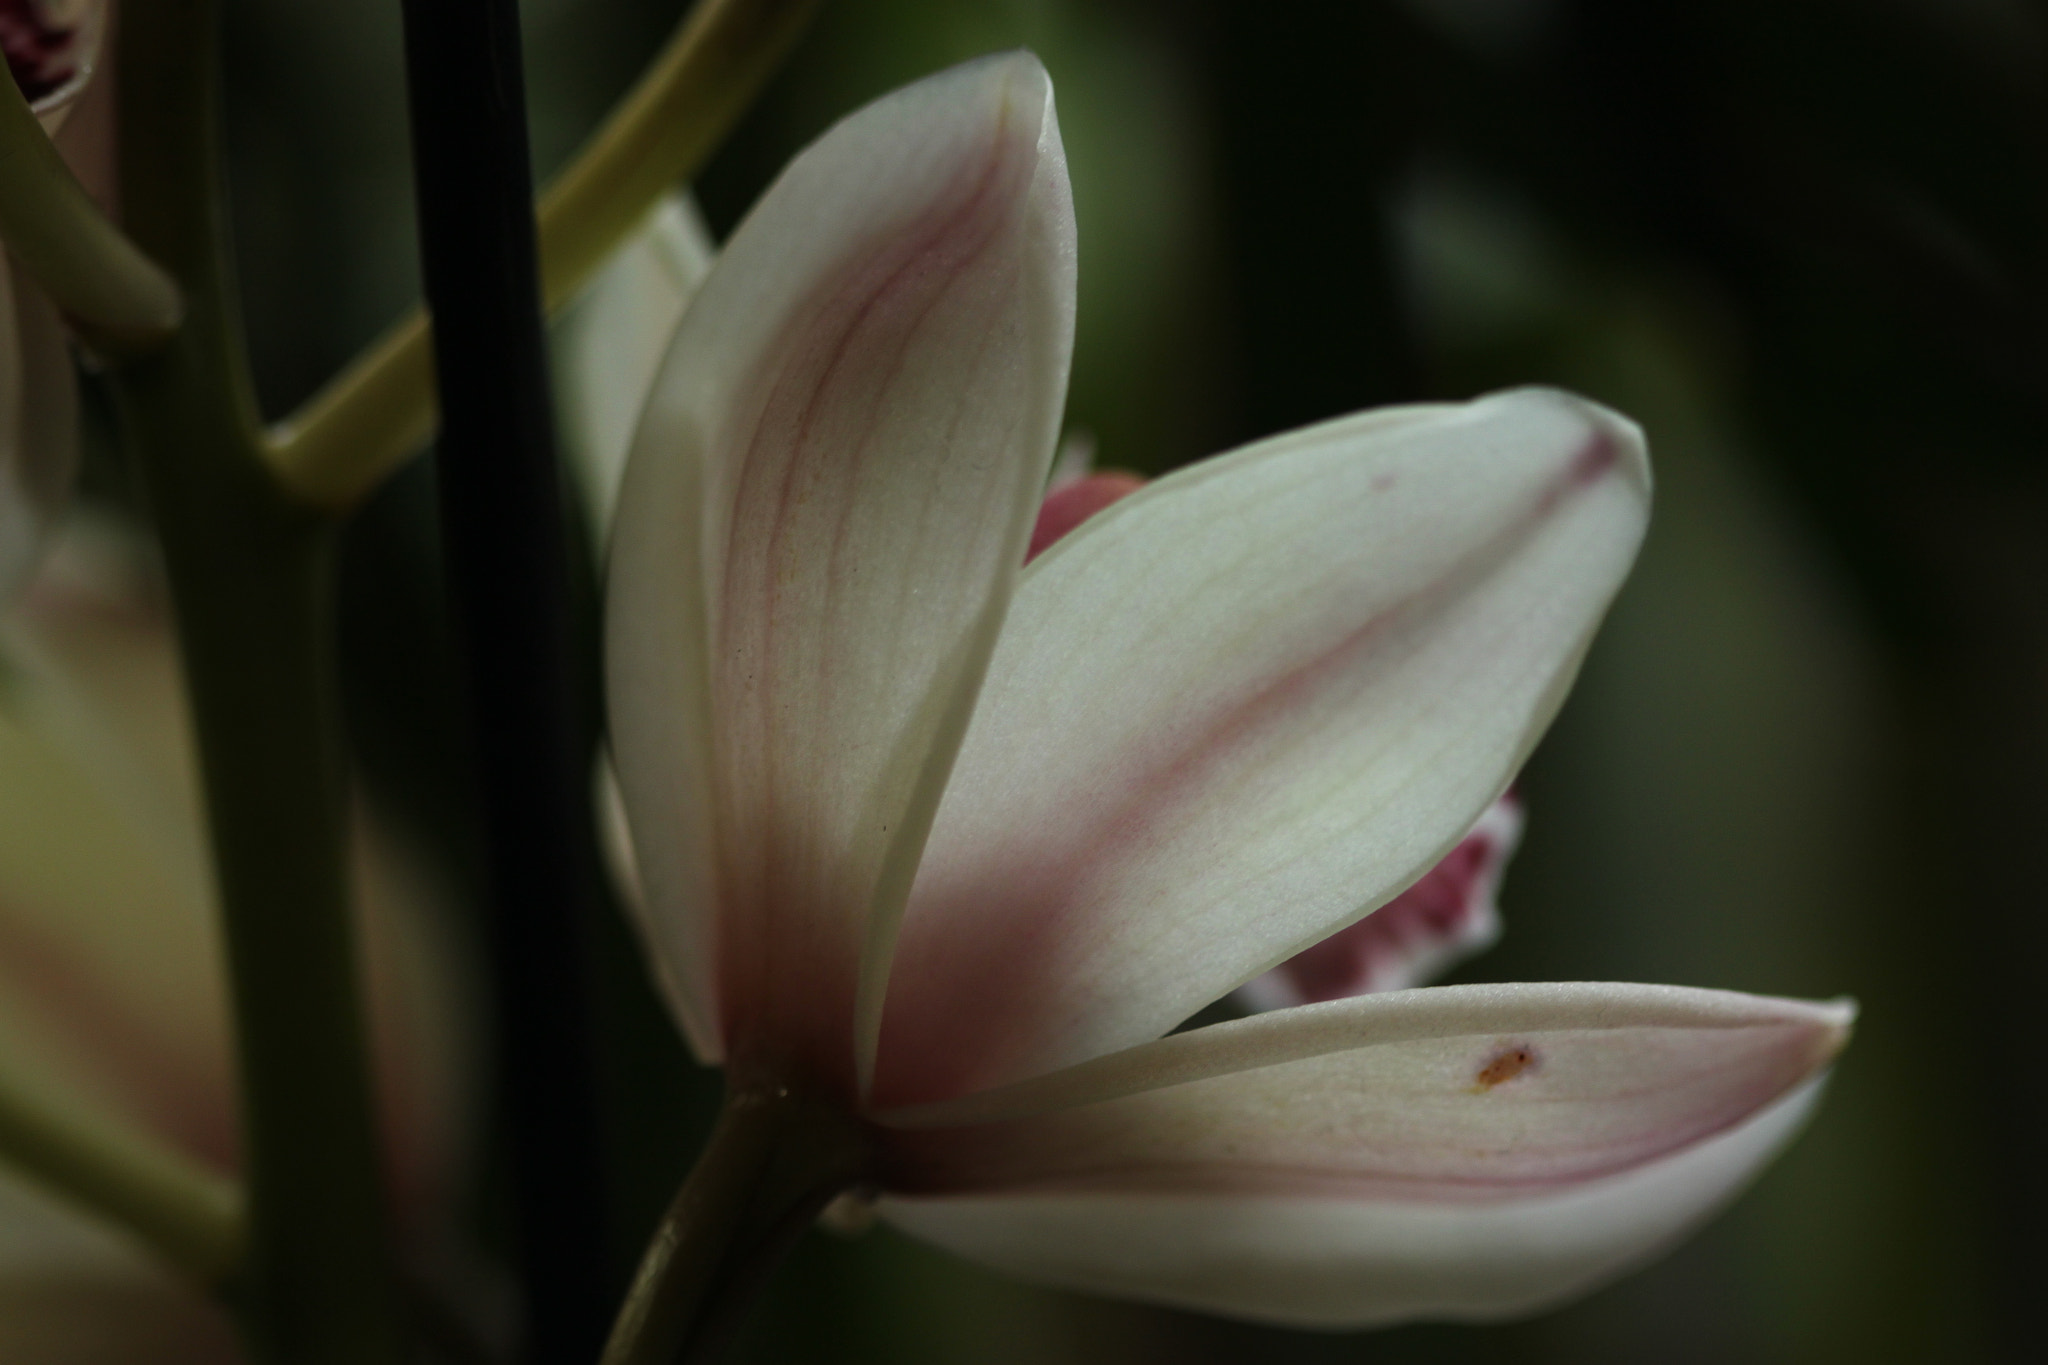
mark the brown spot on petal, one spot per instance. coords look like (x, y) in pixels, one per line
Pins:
(41, 53)
(1506, 1064)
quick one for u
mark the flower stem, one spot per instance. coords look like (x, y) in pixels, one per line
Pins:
(775, 1160)
(379, 410)
(188, 1216)
(504, 534)
(60, 237)
(251, 580)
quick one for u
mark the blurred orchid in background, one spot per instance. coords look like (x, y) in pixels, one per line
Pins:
(112, 997)
(52, 50)
(948, 847)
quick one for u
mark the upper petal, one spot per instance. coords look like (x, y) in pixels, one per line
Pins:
(819, 528)
(1243, 707)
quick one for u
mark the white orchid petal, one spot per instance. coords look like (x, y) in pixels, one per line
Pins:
(1444, 918)
(1241, 708)
(1337, 1262)
(818, 531)
(609, 345)
(615, 843)
(1428, 1072)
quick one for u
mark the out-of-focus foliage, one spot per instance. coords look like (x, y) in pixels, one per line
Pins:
(1801, 240)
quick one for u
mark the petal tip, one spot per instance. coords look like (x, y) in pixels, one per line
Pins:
(1613, 443)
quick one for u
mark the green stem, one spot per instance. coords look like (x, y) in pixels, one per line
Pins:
(188, 1216)
(775, 1160)
(250, 570)
(60, 237)
(379, 410)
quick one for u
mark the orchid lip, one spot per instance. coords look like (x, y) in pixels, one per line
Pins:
(51, 49)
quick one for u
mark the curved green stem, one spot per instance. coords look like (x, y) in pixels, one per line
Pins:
(379, 410)
(60, 237)
(775, 1160)
(251, 579)
(188, 1216)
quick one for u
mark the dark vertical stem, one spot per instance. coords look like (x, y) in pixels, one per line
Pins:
(502, 522)
(250, 575)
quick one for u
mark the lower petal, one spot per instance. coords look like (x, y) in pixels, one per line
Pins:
(1339, 1262)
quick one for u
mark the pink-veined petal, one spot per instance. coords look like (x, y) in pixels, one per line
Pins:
(820, 524)
(1350, 1262)
(1447, 916)
(1244, 706)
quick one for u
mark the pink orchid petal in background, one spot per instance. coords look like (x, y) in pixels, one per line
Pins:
(1069, 504)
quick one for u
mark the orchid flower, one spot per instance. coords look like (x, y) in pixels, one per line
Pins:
(112, 992)
(949, 844)
(51, 47)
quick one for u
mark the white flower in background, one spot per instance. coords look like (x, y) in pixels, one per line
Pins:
(951, 844)
(609, 344)
(112, 990)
